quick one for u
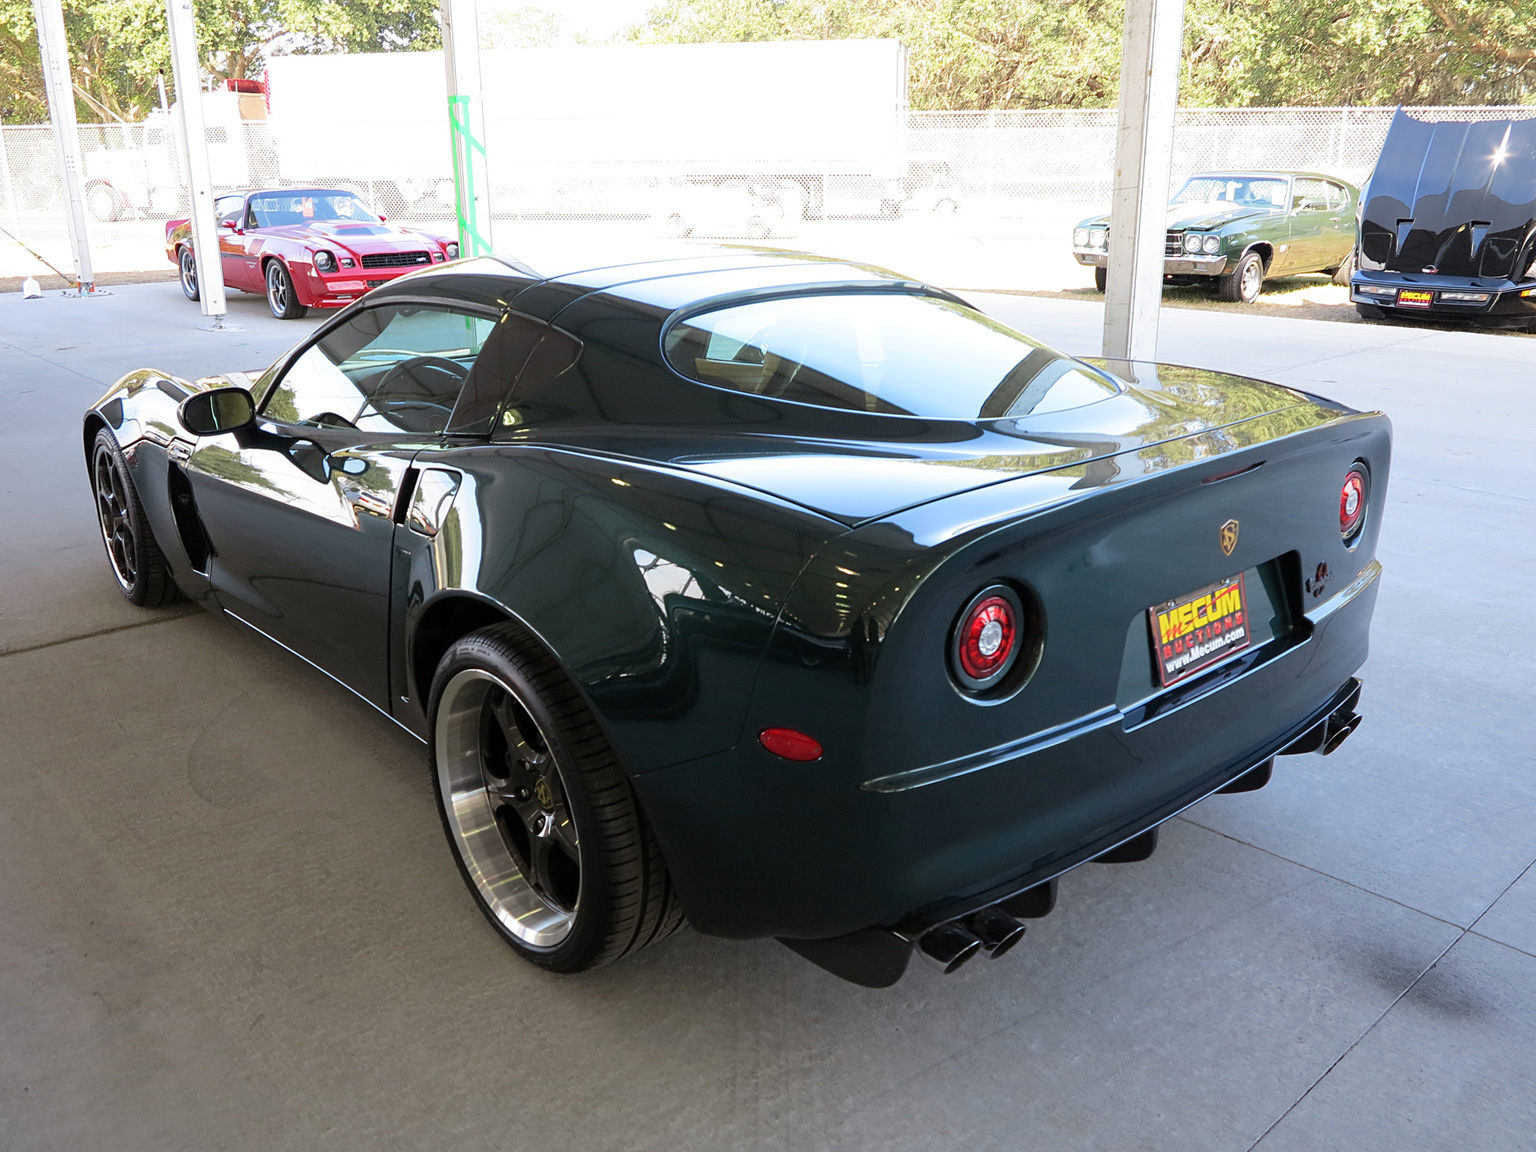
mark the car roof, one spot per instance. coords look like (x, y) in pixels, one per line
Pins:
(1272, 172)
(291, 191)
(658, 283)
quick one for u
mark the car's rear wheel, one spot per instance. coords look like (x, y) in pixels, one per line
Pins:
(1100, 278)
(137, 562)
(1242, 284)
(1345, 270)
(188, 265)
(281, 297)
(541, 818)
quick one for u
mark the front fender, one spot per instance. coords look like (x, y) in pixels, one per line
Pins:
(300, 271)
(140, 413)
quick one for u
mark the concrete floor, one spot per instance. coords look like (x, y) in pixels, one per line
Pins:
(228, 920)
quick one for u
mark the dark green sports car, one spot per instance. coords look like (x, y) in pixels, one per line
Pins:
(788, 595)
(1240, 228)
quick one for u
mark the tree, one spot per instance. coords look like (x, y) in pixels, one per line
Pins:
(970, 54)
(118, 47)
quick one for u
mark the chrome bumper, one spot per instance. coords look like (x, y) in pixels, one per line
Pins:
(1189, 265)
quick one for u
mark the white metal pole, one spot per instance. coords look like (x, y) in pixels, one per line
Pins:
(54, 48)
(194, 151)
(6, 189)
(466, 126)
(1149, 98)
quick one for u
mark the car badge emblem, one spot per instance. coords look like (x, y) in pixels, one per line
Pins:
(1228, 537)
(544, 794)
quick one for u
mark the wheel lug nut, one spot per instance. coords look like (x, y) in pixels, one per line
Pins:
(521, 794)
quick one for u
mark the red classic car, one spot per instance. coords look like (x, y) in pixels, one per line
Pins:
(305, 248)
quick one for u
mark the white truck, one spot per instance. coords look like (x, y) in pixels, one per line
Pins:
(609, 129)
(136, 168)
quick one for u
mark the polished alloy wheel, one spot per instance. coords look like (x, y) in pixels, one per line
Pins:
(278, 290)
(112, 512)
(1252, 277)
(506, 808)
(188, 274)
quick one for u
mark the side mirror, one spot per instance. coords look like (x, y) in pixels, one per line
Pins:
(232, 225)
(382, 217)
(216, 411)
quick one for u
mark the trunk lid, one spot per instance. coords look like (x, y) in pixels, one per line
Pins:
(855, 481)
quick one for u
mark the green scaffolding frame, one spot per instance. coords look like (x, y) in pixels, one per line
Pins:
(471, 201)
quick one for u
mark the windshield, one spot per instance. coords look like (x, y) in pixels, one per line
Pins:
(278, 208)
(1249, 191)
(881, 352)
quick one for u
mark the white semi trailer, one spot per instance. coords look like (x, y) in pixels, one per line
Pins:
(611, 129)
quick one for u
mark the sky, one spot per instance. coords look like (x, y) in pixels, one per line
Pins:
(596, 19)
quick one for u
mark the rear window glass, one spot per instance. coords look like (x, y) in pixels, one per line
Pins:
(896, 354)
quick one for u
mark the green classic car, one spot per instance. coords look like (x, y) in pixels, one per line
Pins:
(1239, 228)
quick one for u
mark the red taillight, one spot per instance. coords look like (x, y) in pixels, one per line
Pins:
(789, 744)
(987, 637)
(1352, 504)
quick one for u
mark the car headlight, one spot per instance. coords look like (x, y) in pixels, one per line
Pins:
(324, 261)
(1080, 237)
(1211, 244)
(1097, 237)
(453, 251)
(1191, 243)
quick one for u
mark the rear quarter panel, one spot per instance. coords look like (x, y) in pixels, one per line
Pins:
(655, 590)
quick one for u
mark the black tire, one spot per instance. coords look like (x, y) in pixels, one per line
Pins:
(543, 824)
(281, 297)
(1100, 278)
(1345, 270)
(1242, 284)
(187, 263)
(1371, 312)
(142, 574)
(104, 202)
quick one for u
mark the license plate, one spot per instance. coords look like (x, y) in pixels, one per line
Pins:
(1414, 298)
(1199, 629)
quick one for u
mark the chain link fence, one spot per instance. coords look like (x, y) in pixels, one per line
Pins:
(977, 198)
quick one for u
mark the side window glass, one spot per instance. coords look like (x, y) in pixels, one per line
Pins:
(1337, 197)
(398, 368)
(1309, 195)
(497, 367)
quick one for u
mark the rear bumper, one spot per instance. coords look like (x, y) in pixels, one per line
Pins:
(760, 847)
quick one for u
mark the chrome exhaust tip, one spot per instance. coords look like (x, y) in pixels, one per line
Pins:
(996, 930)
(948, 946)
(1339, 729)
